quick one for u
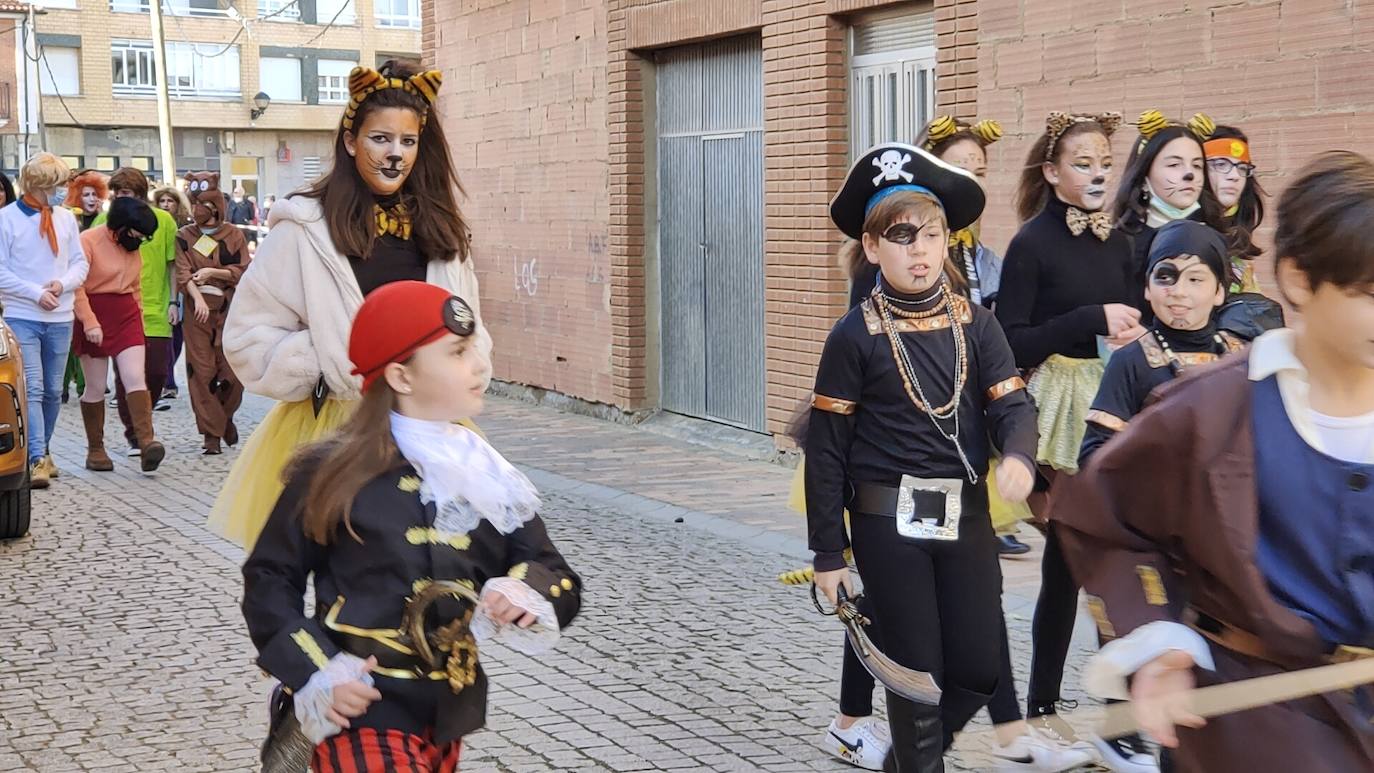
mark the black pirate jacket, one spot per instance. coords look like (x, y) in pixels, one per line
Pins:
(362, 585)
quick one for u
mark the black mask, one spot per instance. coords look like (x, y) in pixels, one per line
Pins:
(130, 242)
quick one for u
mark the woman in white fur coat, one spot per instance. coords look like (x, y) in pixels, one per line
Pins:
(387, 211)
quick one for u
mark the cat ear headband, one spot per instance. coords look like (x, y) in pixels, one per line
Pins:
(1057, 123)
(943, 127)
(363, 82)
(1152, 122)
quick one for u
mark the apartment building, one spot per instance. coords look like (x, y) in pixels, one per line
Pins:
(257, 86)
(648, 180)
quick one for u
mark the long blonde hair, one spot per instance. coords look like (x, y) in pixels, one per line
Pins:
(340, 466)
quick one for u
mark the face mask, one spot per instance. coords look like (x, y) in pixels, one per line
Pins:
(129, 242)
(58, 196)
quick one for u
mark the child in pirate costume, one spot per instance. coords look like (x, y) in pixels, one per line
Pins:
(854, 735)
(1256, 556)
(211, 256)
(1187, 275)
(387, 211)
(422, 543)
(911, 386)
(1067, 292)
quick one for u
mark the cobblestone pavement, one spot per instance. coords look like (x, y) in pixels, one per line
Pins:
(124, 649)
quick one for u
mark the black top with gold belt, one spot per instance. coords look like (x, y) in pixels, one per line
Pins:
(864, 427)
(362, 586)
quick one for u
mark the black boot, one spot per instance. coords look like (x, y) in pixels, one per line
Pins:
(917, 737)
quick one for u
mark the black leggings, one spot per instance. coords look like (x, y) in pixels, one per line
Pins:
(938, 605)
(1056, 610)
(856, 684)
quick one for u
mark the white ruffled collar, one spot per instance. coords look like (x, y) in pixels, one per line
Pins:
(465, 478)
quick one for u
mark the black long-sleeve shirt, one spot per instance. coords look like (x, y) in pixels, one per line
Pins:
(362, 586)
(878, 435)
(1054, 285)
(1136, 370)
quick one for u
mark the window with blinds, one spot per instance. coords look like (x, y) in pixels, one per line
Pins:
(892, 76)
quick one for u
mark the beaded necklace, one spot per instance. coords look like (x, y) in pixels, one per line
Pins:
(886, 306)
(1176, 365)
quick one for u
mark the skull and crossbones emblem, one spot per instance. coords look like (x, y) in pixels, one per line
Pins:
(893, 165)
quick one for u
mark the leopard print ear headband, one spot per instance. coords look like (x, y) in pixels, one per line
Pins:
(1057, 123)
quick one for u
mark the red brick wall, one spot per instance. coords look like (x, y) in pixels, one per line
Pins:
(1291, 73)
(525, 108)
(545, 106)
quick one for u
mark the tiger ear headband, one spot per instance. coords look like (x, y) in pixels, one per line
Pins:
(1152, 122)
(363, 82)
(1057, 123)
(943, 127)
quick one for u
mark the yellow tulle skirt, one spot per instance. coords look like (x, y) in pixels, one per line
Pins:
(1064, 389)
(255, 481)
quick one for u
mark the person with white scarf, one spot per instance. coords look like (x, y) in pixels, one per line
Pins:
(404, 505)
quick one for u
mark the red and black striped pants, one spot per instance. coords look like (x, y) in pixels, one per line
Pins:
(367, 750)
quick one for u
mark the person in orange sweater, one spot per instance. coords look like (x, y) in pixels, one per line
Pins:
(109, 323)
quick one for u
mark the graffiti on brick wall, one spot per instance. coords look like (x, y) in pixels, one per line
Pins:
(527, 277)
(596, 250)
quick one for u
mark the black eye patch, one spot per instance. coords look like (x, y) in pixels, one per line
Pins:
(1165, 275)
(902, 233)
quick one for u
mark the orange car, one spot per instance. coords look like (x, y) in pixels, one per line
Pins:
(14, 439)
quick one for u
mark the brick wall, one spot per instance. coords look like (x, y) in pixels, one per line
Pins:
(1291, 73)
(524, 105)
(555, 90)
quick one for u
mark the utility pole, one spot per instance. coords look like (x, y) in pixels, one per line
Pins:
(34, 96)
(164, 103)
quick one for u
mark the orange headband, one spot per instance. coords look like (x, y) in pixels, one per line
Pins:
(1230, 148)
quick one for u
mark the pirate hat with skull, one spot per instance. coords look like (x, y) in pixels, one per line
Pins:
(893, 166)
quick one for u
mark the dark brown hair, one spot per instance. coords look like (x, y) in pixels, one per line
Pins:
(1033, 190)
(430, 192)
(1132, 203)
(883, 215)
(1240, 233)
(1323, 220)
(339, 467)
(130, 178)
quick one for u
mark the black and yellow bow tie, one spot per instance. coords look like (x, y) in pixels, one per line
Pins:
(395, 221)
(964, 237)
(1080, 221)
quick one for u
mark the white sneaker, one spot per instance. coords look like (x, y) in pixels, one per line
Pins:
(864, 744)
(1042, 754)
(1127, 754)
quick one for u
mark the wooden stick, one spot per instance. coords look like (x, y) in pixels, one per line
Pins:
(1118, 719)
(1222, 699)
